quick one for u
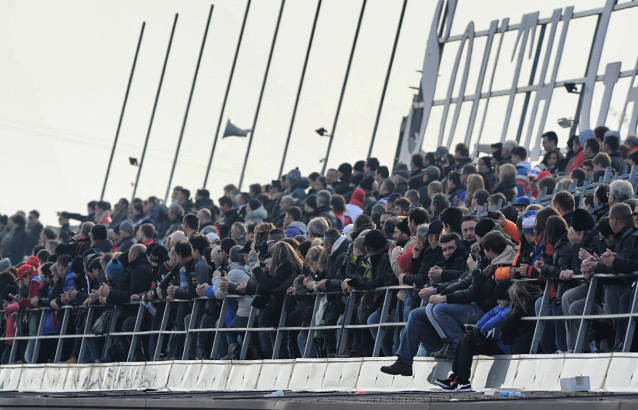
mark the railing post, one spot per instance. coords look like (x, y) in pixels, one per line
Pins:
(160, 336)
(246, 342)
(342, 340)
(38, 341)
(313, 322)
(584, 322)
(220, 325)
(540, 324)
(134, 337)
(192, 324)
(109, 338)
(87, 331)
(278, 336)
(631, 324)
(65, 325)
(381, 329)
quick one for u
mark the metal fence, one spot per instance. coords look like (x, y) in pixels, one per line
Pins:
(386, 323)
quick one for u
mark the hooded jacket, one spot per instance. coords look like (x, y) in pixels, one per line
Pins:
(296, 228)
(238, 273)
(257, 216)
(508, 188)
(481, 283)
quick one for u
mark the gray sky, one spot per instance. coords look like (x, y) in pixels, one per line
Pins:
(66, 64)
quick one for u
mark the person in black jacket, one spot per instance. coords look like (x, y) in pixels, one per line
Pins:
(380, 274)
(16, 248)
(272, 284)
(127, 287)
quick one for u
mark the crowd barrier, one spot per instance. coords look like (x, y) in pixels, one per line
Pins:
(386, 323)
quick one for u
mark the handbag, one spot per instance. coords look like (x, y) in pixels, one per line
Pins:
(102, 323)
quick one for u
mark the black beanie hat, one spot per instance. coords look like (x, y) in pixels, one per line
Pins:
(98, 232)
(375, 239)
(366, 183)
(159, 254)
(582, 220)
(484, 226)
(501, 288)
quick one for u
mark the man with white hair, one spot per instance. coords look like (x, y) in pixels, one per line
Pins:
(620, 190)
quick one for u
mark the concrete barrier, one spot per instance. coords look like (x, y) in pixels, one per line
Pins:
(523, 372)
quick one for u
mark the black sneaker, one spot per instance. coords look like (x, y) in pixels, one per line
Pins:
(446, 353)
(445, 382)
(398, 368)
(458, 386)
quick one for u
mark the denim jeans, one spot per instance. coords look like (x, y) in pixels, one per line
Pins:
(362, 341)
(234, 337)
(613, 294)
(386, 343)
(554, 335)
(314, 350)
(418, 330)
(450, 317)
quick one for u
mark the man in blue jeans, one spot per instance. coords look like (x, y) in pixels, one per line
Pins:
(462, 302)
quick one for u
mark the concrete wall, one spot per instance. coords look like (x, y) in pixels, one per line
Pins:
(525, 372)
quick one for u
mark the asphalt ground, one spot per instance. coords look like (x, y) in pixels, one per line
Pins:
(323, 400)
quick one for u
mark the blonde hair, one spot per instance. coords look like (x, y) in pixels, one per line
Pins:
(313, 254)
(507, 171)
(564, 184)
(283, 253)
(521, 292)
(262, 230)
(474, 183)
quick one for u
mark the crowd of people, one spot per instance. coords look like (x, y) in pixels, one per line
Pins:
(356, 229)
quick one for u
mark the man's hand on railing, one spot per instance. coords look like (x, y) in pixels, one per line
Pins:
(309, 283)
(35, 301)
(241, 287)
(94, 296)
(566, 274)
(104, 291)
(72, 293)
(135, 298)
(538, 265)
(170, 291)
(87, 303)
(150, 295)
(425, 293)
(345, 285)
(54, 305)
(201, 289)
(588, 266)
(224, 283)
(103, 300)
(290, 291)
(401, 276)
(321, 285)
(608, 258)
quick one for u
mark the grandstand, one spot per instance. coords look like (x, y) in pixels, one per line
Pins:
(469, 266)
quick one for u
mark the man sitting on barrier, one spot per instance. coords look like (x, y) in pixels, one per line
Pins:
(463, 301)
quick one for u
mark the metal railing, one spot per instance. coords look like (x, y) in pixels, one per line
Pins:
(192, 330)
